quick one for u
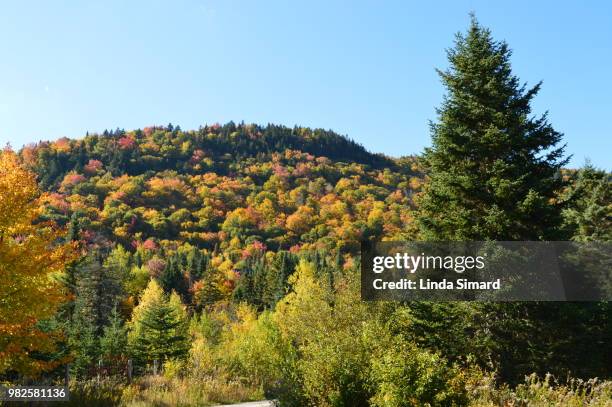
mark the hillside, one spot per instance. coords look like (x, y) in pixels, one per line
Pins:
(221, 196)
(212, 147)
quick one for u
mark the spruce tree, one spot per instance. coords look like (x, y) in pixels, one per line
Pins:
(97, 291)
(113, 342)
(494, 174)
(588, 216)
(158, 328)
(74, 233)
(172, 278)
(493, 167)
(84, 343)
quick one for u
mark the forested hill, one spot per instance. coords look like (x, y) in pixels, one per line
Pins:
(170, 148)
(224, 186)
(224, 209)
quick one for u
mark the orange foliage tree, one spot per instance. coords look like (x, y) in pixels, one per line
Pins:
(29, 258)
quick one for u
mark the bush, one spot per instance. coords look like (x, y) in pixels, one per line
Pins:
(173, 368)
(404, 375)
(253, 348)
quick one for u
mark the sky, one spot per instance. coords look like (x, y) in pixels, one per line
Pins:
(365, 69)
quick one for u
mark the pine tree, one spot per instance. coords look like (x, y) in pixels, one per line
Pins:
(74, 233)
(113, 343)
(285, 264)
(589, 213)
(158, 329)
(97, 291)
(181, 330)
(192, 260)
(244, 291)
(84, 343)
(493, 168)
(494, 174)
(172, 278)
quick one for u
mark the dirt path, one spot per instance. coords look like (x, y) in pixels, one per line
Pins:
(264, 403)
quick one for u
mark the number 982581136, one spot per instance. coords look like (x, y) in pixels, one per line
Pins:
(34, 393)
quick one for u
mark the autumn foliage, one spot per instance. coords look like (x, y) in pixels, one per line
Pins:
(29, 259)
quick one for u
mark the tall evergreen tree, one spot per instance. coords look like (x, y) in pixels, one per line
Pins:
(83, 340)
(97, 291)
(74, 232)
(158, 328)
(493, 167)
(172, 278)
(494, 174)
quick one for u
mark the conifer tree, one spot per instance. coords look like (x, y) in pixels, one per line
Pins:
(172, 278)
(97, 291)
(181, 331)
(589, 213)
(493, 167)
(113, 343)
(158, 329)
(83, 340)
(74, 233)
(494, 174)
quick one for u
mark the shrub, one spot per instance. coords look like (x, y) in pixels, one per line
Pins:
(404, 375)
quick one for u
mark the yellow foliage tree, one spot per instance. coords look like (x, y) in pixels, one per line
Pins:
(29, 258)
(301, 220)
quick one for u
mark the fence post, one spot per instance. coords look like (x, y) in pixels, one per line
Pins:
(155, 367)
(67, 375)
(129, 370)
(99, 370)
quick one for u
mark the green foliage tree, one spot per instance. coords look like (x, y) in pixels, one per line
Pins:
(84, 343)
(172, 277)
(97, 290)
(113, 343)
(588, 216)
(494, 174)
(493, 169)
(334, 359)
(158, 329)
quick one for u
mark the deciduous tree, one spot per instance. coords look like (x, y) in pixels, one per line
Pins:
(30, 256)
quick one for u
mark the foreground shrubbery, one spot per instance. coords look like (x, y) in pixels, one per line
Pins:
(322, 346)
(536, 392)
(472, 389)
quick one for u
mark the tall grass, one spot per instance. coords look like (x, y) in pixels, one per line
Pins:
(160, 391)
(183, 392)
(545, 392)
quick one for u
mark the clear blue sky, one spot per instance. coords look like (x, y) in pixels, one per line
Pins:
(364, 69)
